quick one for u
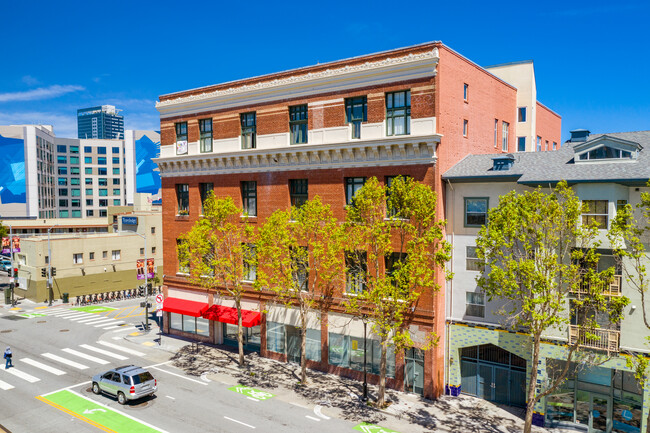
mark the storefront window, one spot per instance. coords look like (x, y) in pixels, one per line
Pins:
(275, 337)
(347, 351)
(193, 325)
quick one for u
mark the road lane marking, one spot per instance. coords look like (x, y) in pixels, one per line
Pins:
(104, 321)
(5, 386)
(21, 374)
(120, 348)
(104, 324)
(125, 328)
(317, 411)
(239, 422)
(85, 316)
(180, 375)
(251, 398)
(103, 352)
(83, 355)
(112, 326)
(312, 417)
(93, 319)
(170, 397)
(42, 366)
(65, 361)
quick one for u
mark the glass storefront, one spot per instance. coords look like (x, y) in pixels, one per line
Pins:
(194, 325)
(286, 339)
(252, 337)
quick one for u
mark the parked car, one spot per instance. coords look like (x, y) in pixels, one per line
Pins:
(126, 383)
(5, 265)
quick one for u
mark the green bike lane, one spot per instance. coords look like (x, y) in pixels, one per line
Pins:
(96, 414)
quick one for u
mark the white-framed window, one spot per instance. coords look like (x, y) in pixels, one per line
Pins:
(521, 114)
(78, 258)
(504, 137)
(153, 250)
(597, 210)
(539, 143)
(475, 304)
(250, 269)
(116, 254)
(465, 91)
(465, 127)
(104, 254)
(496, 130)
(472, 262)
(142, 251)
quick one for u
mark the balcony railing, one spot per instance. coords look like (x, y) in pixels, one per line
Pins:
(603, 339)
(608, 289)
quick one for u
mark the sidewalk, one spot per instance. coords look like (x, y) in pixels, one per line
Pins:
(337, 396)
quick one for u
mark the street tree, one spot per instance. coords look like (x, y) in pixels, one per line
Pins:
(218, 255)
(3, 231)
(300, 260)
(537, 253)
(395, 251)
(630, 236)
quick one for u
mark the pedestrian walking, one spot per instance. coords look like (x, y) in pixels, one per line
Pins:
(8, 354)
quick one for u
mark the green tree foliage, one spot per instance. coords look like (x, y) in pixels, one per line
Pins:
(3, 231)
(217, 253)
(537, 254)
(394, 226)
(300, 258)
(630, 236)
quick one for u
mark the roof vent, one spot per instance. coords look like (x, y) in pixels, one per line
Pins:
(503, 162)
(579, 135)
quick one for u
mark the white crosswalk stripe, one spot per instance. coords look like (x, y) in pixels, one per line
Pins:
(96, 321)
(21, 374)
(125, 328)
(90, 319)
(83, 355)
(68, 313)
(113, 323)
(120, 348)
(5, 386)
(111, 327)
(42, 366)
(64, 361)
(103, 352)
(85, 316)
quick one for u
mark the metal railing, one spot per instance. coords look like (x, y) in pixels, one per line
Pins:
(600, 339)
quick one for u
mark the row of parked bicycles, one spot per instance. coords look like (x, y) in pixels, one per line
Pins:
(118, 295)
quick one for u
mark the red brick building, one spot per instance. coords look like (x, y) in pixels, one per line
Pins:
(322, 130)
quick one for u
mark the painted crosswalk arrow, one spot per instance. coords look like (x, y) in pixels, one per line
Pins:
(90, 411)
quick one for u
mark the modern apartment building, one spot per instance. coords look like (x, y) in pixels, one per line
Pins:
(487, 358)
(103, 122)
(323, 130)
(44, 176)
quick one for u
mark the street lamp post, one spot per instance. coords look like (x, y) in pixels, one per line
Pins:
(364, 319)
(146, 279)
(50, 291)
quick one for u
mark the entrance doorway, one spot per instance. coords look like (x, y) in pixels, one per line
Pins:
(594, 411)
(414, 371)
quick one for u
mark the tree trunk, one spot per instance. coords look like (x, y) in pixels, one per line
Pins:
(381, 398)
(240, 334)
(303, 346)
(532, 384)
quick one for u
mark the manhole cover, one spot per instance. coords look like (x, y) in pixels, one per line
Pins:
(5, 331)
(13, 317)
(139, 405)
(42, 321)
(64, 330)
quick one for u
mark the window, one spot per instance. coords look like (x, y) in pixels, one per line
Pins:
(204, 189)
(504, 137)
(103, 202)
(77, 259)
(475, 304)
(205, 130)
(88, 159)
(116, 150)
(88, 149)
(142, 251)
(348, 351)
(496, 129)
(116, 181)
(356, 112)
(90, 213)
(547, 147)
(183, 198)
(74, 149)
(476, 212)
(116, 254)
(393, 262)
(554, 145)
(61, 159)
(101, 160)
(103, 192)
(61, 148)
(249, 197)
(116, 191)
(352, 185)
(465, 127)
(250, 270)
(75, 202)
(101, 171)
(88, 170)
(465, 91)
(63, 181)
(74, 160)
(153, 230)
(76, 214)
(104, 254)
(521, 144)
(398, 113)
(300, 263)
(181, 138)
(356, 266)
(182, 257)
(89, 202)
(63, 192)
(63, 202)
(248, 130)
(102, 212)
(116, 160)
(101, 150)
(63, 214)
(472, 262)
(521, 114)
(63, 170)
(539, 143)
(606, 152)
(74, 181)
(74, 170)
(298, 124)
(153, 250)
(298, 189)
(116, 202)
(116, 170)
(596, 212)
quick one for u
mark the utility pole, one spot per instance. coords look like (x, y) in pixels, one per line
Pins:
(50, 289)
(11, 256)
(146, 278)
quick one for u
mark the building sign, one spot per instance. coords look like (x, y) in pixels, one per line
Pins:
(181, 147)
(140, 266)
(129, 221)
(6, 248)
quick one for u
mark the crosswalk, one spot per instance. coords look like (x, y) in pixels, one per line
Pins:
(30, 370)
(90, 319)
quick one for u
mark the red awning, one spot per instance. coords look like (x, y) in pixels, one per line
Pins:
(183, 306)
(223, 314)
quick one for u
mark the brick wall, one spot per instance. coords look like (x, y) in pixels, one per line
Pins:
(549, 127)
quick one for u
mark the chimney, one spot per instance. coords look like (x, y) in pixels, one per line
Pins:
(579, 135)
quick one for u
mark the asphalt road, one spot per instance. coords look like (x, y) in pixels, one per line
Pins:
(57, 350)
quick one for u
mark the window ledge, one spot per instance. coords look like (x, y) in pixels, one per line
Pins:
(182, 217)
(182, 274)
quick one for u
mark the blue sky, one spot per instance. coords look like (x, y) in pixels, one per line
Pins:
(591, 58)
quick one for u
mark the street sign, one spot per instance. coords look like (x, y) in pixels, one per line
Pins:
(159, 298)
(159, 313)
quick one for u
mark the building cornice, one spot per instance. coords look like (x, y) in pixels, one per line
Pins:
(392, 69)
(385, 152)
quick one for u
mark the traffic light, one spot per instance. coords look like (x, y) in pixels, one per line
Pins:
(54, 272)
(149, 289)
(15, 272)
(43, 272)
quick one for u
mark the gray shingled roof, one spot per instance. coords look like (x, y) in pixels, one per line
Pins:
(553, 166)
